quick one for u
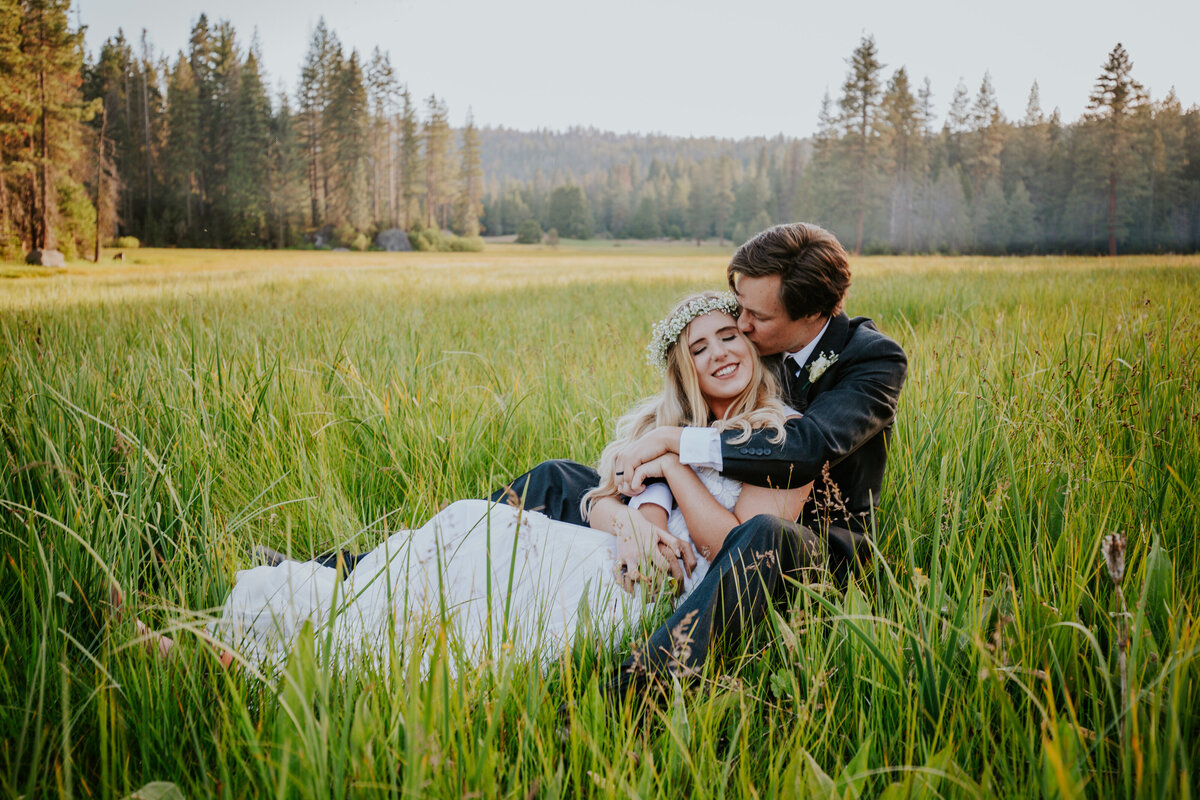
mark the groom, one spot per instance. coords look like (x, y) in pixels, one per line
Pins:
(841, 374)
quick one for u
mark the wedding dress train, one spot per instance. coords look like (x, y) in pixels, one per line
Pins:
(499, 581)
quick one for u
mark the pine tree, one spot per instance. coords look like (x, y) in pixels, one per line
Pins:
(903, 138)
(860, 115)
(470, 180)
(410, 159)
(700, 215)
(184, 153)
(645, 223)
(285, 175)
(722, 198)
(570, 212)
(383, 92)
(1022, 225)
(222, 102)
(436, 138)
(985, 139)
(202, 148)
(51, 57)
(249, 161)
(1114, 99)
(318, 78)
(16, 126)
(347, 134)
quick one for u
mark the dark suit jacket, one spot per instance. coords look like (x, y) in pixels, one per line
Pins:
(848, 415)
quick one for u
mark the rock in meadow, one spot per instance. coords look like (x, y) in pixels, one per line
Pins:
(46, 258)
(393, 240)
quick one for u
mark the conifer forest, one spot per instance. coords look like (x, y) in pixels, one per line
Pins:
(195, 149)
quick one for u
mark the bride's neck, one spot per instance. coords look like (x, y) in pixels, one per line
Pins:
(717, 409)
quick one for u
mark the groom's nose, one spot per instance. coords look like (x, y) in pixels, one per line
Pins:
(745, 325)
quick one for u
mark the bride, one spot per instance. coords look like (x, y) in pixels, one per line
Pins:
(495, 579)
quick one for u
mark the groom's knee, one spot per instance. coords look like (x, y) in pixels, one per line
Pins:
(768, 538)
(761, 532)
(553, 487)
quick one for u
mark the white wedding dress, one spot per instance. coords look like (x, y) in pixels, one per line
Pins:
(496, 580)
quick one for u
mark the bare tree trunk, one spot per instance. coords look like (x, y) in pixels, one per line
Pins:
(1112, 188)
(393, 198)
(100, 182)
(312, 184)
(43, 212)
(149, 153)
(862, 176)
(1112, 213)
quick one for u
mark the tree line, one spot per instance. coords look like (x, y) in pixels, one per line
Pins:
(887, 178)
(193, 149)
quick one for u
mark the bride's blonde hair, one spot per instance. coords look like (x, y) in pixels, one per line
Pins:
(681, 403)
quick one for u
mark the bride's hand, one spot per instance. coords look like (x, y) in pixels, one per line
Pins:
(633, 483)
(643, 556)
(647, 448)
(680, 555)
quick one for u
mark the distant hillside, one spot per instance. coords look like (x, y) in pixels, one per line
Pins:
(576, 152)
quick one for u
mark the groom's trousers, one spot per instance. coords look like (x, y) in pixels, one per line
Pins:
(758, 566)
(555, 488)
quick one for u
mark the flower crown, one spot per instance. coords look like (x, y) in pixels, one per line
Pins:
(666, 331)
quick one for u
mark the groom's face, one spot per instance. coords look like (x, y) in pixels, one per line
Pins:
(765, 321)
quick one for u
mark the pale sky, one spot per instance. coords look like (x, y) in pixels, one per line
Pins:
(692, 67)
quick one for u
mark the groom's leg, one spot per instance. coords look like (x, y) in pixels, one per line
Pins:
(755, 568)
(554, 488)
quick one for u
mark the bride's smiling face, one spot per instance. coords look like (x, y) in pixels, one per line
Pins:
(722, 356)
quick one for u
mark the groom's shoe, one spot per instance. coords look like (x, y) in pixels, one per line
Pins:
(626, 688)
(635, 688)
(269, 557)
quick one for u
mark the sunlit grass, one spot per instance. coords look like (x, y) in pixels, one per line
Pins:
(162, 414)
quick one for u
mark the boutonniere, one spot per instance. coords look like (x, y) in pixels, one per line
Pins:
(822, 362)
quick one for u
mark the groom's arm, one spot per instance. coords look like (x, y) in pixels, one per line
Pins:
(860, 404)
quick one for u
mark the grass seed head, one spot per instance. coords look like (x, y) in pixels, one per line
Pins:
(1113, 548)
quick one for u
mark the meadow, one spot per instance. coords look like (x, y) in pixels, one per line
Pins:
(162, 415)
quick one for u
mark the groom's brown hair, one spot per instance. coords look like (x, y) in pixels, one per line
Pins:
(809, 260)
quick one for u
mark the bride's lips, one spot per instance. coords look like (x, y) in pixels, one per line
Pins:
(728, 371)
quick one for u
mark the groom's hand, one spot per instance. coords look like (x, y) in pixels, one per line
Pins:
(643, 450)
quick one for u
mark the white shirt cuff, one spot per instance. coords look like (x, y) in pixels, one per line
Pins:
(700, 447)
(658, 494)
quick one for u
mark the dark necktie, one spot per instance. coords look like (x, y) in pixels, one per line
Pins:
(791, 382)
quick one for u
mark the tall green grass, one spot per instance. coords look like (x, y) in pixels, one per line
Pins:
(159, 421)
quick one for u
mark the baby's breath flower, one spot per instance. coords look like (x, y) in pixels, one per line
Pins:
(666, 331)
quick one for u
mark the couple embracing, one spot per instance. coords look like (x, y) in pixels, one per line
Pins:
(761, 457)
